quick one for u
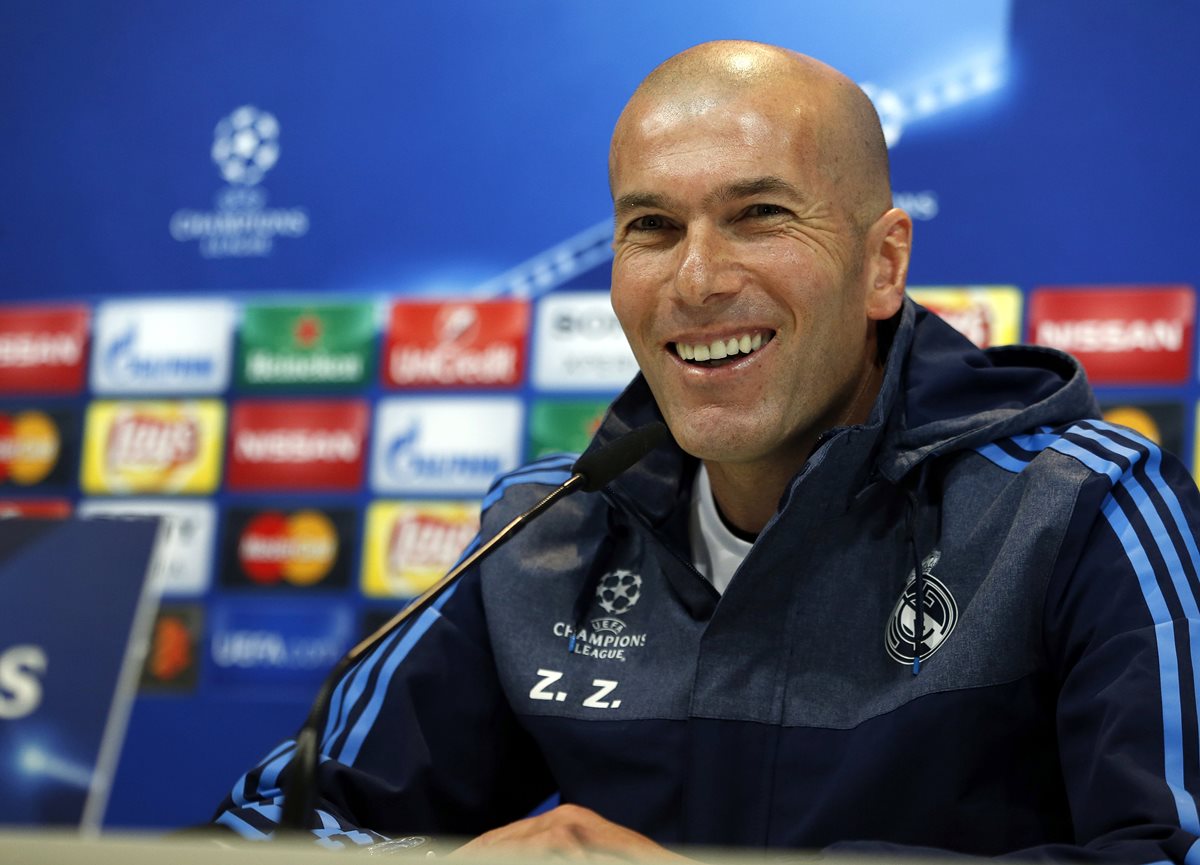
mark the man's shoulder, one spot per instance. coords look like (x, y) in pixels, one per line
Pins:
(1108, 451)
(523, 486)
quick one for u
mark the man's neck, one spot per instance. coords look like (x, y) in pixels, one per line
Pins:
(748, 494)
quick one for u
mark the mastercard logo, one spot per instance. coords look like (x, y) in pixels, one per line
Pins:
(29, 447)
(300, 548)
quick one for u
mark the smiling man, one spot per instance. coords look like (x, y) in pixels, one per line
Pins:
(883, 592)
(756, 250)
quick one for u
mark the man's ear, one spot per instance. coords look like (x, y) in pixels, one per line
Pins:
(887, 247)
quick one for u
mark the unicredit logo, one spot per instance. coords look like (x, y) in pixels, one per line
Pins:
(477, 344)
(448, 364)
(298, 446)
(1109, 335)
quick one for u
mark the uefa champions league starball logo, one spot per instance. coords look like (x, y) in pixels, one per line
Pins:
(619, 591)
(246, 145)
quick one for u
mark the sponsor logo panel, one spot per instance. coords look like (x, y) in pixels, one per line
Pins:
(1161, 422)
(37, 447)
(172, 663)
(410, 545)
(476, 344)
(579, 344)
(299, 549)
(152, 446)
(444, 445)
(43, 349)
(1121, 334)
(987, 314)
(323, 346)
(164, 346)
(558, 426)
(43, 509)
(291, 641)
(183, 554)
(297, 444)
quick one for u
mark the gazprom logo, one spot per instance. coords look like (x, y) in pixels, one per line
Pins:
(406, 460)
(444, 444)
(162, 346)
(124, 361)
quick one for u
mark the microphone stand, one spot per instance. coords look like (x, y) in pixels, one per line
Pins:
(590, 473)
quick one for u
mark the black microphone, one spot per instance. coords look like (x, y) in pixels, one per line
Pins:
(590, 473)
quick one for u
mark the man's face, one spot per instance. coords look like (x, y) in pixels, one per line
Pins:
(732, 239)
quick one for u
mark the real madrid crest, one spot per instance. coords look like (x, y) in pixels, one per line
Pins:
(940, 615)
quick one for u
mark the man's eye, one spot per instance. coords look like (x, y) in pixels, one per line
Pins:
(648, 223)
(766, 210)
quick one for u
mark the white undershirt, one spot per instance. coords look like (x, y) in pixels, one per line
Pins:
(716, 551)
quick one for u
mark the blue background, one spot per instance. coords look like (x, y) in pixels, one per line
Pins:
(436, 147)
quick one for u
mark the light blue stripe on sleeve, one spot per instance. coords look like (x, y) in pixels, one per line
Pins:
(552, 477)
(412, 635)
(237, 824)
(1036, 441)
(1168, 666)
(1001, 458)
(1164, 633)
(335, 723)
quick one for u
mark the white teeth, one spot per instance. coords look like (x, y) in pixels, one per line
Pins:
(721, 348)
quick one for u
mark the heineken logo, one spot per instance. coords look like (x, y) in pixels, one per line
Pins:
(324, 345)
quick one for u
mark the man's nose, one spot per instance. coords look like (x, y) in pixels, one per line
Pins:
(704, 271)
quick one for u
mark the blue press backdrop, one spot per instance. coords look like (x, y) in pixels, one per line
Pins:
(445, 148)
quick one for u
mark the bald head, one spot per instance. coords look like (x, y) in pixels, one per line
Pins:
(838, 117)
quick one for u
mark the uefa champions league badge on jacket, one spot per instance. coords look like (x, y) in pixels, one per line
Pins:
(938, 621)
(607, 636)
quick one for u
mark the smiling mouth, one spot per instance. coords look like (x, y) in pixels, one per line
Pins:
(722, 351)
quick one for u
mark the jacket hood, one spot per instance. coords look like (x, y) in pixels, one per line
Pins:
(943, 394)
(940, 394)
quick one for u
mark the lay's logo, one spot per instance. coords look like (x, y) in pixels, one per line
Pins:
(410, 545)
(141, 442)
(986, 315)
(166, 446)
(30, 446)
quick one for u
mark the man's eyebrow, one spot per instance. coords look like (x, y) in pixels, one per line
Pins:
(639, 201)
(747, 188)
(755, 186)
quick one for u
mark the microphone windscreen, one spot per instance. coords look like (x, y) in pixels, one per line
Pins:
(601, 465)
